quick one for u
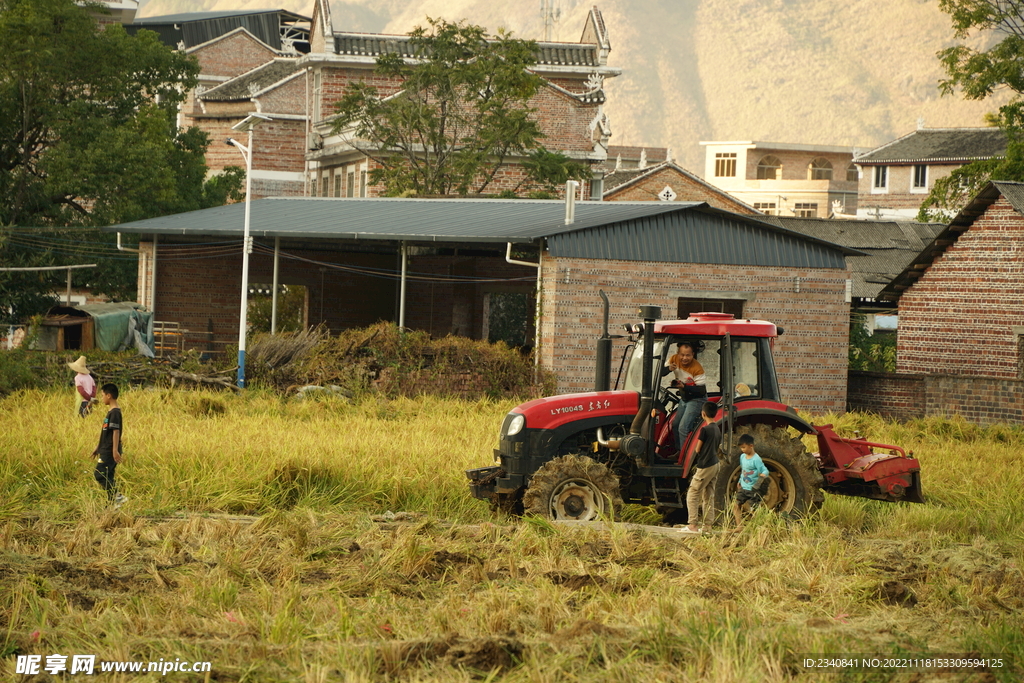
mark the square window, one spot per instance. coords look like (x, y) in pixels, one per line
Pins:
(362, 183)
(805, 210)
(350, 179)
(725, 165)
(766, 207)
(337, 184)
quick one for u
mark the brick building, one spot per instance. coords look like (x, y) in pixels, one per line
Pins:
(685, 257)
(896, 177)
(248, 63)
(960, 341)
(784, 179)
(569, 107)
(667, 182)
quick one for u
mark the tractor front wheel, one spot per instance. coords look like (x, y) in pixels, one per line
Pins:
(794, 480)
(573, 487)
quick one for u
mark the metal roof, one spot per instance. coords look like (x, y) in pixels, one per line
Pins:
(699, 236)
(619, 226)
(196, 28)
(939, 145)
(430, 220)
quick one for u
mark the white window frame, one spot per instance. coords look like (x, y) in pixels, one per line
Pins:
(914, 189)
(882, 171)
(725, 161)
(805, 209)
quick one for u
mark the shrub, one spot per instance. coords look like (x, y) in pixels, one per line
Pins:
(394, 362)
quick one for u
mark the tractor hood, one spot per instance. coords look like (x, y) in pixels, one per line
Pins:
(554, 411)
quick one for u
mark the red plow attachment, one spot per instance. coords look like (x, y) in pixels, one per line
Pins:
(857, 467)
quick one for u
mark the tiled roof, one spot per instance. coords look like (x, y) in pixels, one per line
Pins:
(940, 144)
(613, 180)
(889, 246)
(654, 154)
(374, 45)
(248, 84)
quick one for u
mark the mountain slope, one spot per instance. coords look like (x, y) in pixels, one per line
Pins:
(858, 73)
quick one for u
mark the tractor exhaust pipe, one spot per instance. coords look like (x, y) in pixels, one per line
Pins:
(603, 371)
(649, 315)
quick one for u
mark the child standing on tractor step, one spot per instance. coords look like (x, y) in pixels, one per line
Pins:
(701, 494)
(753, 474)
(109, 452)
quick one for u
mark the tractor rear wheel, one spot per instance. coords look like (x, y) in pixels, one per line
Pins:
(794, 480)
(573, 487)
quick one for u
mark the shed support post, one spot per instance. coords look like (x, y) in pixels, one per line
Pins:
(401, 294)
(273, 297)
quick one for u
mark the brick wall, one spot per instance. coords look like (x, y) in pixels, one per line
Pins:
(204, 294)
(982, 400)
(962, 316)
(686, 189)
(232, 55)
(895, 396)
(810, 358)
(565, 121)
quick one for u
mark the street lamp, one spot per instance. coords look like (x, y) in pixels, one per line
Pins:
(248, 123)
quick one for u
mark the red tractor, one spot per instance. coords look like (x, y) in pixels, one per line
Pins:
(581, 456)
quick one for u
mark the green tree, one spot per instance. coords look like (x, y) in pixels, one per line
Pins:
(977, 74)
(463, 112)
(88, 136)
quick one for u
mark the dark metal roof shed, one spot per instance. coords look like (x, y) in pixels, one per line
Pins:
(657, 231)
(705, 235)
(196, 28)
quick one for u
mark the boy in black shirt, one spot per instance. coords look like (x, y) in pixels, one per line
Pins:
(108, 453)
(705, 467)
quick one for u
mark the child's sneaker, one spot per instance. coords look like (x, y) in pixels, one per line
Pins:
(119, 500)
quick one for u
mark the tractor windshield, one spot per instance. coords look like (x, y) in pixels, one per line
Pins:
(753, 372)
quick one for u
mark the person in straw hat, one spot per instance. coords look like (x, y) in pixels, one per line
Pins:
(85, 385)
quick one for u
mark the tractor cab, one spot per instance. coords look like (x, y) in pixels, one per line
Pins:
(750, 357)
(733, 353)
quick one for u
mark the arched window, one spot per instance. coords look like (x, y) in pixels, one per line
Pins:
(820, 169)
(852, 175)
(769, 168)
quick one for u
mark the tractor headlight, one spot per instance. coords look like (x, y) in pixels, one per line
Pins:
(516, 425)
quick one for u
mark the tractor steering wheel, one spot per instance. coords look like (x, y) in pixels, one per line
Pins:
(670, 397)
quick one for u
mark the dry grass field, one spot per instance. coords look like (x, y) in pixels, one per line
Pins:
(324, 540)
